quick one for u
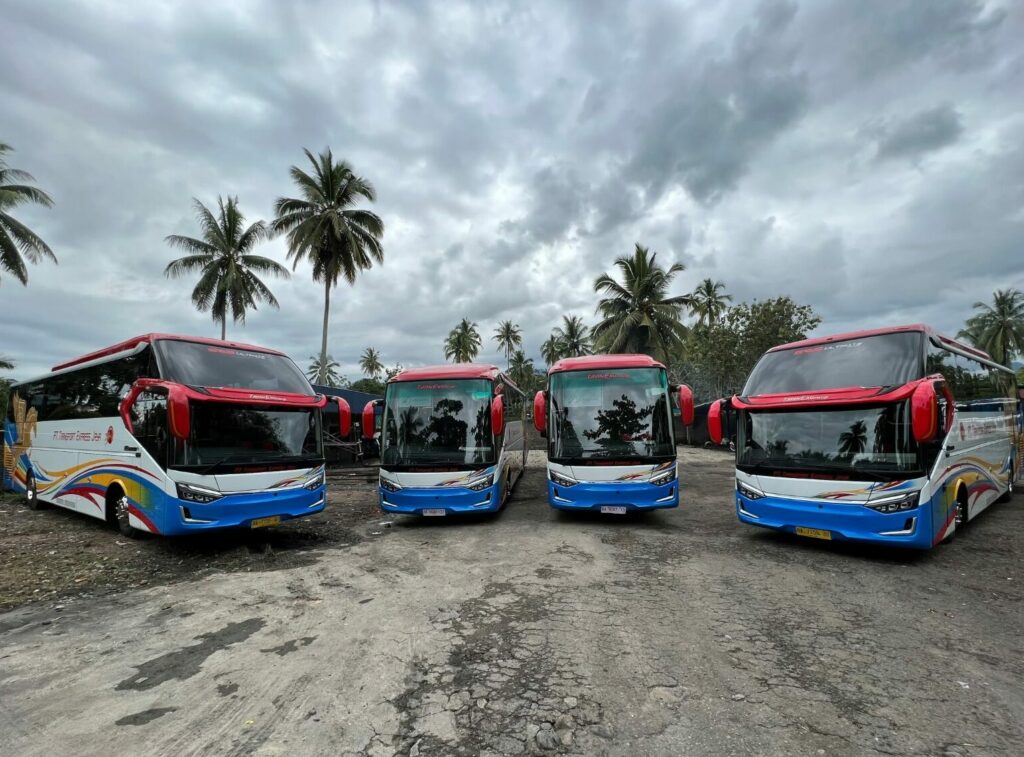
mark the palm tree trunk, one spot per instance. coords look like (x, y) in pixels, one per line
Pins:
(321, 376)
(224, 328)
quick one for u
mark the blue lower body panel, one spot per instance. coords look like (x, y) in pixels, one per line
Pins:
(450, 499)
(632, 496)
(849, 522)
(239, 510)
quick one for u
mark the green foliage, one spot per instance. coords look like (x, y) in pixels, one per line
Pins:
(326, 373)
(370, 363)
(551, 350)
(572, 337)
(638, 315)
(323, 226)
(463, 342)
(19, 243)
(368, 385)
(521, 371)
(709, 302)
(508, 335)
(716, 360)
(998, 329)
(226, 266)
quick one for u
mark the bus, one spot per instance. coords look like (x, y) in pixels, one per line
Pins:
(611, 443)
(451, 440)
(166, 434)
(893, 436)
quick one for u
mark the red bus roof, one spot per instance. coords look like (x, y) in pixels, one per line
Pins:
(449, 371)
(595, 362)
(886, 330)
(129, 344)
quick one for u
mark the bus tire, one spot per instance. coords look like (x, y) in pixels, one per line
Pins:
(1008, 494)
(32, 493)
(962, 516)
(117, 512)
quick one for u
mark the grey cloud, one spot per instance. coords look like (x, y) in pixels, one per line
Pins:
(920, 133)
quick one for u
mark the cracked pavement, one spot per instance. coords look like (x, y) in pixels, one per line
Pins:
(534, 632)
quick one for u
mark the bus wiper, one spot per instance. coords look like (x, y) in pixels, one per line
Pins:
(206, 471)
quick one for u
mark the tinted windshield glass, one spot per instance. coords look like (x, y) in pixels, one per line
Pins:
(438, 423)
(226, 436)
(215, 366)
(610, 414)
(883, 360)
(862, 441)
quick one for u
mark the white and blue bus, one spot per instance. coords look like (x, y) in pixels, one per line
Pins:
(451, 440)
(611, 443)
(893, 436)
(168, 434)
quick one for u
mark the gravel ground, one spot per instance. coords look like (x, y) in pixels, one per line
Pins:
(532, 632)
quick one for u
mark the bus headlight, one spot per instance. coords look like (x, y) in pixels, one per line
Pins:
(316, 482)
(748, 491)
(896, 504)
(199, 494)
(482, 483)
(560, 480)
(391, 486)
(664, 478)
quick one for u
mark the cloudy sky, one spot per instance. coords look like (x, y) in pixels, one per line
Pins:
(866, 158)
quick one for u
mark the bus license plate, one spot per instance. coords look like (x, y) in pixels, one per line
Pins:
(263, 522)
(434, 513)
(814, 533)
(613, 509)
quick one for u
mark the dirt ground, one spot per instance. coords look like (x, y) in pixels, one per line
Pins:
(55, 554)
(530, 632)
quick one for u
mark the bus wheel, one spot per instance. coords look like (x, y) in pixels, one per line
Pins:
(961, 516)
(117, 506)
(32, 493)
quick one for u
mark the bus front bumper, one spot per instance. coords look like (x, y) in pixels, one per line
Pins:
(839, 522)
(249, 510)
(438, 500)
(632, 496)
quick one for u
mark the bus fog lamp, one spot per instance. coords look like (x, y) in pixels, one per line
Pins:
(199, 494)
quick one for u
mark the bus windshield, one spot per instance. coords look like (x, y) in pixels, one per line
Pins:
(616, 413)
(214, 365)
(880, 360)
(444, 422)
(855, 443)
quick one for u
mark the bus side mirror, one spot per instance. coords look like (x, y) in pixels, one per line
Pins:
(344, 417)
(715, 422)
(178, 415)
(369, 419)
(924, 412)
(497, 415)
(540, 412)
(686, 404)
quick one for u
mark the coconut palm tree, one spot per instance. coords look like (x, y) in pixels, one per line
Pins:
(709, 302)
(227, 268)
(520, 368)
(6, 364)
(508, 335)
(18, 242)
(463, 342)
(323, 226)
(325, 374)
(854, 441)
(638, 315)
(573, 337)
(370, 363)
(998, 328)
(551, 350)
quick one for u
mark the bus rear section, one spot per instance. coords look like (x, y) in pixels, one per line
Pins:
(896, 436)
(452, 440)
(171, 435)
(608, 422)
